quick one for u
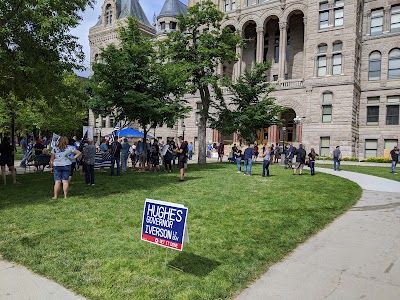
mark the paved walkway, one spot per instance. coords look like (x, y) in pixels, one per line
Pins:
(356, 257)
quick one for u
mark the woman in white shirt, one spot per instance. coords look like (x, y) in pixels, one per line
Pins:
(60, 163)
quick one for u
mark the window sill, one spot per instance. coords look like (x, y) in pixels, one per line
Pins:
(330, 29)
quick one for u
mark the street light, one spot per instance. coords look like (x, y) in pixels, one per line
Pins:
(297, 121)
(183, 130)
(98, 129)
(283, 137)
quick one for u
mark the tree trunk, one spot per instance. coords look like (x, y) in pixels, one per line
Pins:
(202, 129)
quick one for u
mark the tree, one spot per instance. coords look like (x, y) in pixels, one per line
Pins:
(36, 47)
(65, 114)
(200, 45)
(251, 108)
(133, 85)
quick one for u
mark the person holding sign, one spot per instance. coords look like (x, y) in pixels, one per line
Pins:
(182, 153)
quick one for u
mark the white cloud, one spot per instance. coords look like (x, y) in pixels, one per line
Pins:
(90, 17)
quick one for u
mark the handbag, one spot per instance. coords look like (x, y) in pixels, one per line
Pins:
(308, 162)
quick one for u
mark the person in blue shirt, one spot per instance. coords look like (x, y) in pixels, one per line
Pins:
(248, 162)
(125, 154)
(190, 149)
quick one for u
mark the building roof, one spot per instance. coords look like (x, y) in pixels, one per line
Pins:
(172, 8)
(134, 9)
(130, 8)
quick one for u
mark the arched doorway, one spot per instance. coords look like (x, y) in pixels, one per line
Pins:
(288, 132)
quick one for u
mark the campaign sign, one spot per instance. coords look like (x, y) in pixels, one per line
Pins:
(164, 224)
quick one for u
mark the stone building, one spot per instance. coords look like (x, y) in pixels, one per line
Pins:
(335, 66)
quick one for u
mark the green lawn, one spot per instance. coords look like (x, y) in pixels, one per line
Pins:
(384, 171)
(238, 226)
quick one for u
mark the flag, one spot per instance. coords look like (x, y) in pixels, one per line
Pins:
(117, 127)
(112, 137)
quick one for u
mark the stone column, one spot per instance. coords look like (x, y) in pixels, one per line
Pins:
(220, 69)
(282, 49)
(239, 54)
(331, 20)
(329, 65)
(386, 19)
(260, 44)
(305, 47)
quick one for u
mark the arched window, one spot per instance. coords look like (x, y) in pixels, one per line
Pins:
(96, 58)
(374, 66)
(337, 58)
(266, 41)
(321, 60)
(394, 64)
(108, 14)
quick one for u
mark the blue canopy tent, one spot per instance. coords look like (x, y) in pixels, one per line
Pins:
(130, 133)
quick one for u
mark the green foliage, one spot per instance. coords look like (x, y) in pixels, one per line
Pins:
(132, 84)
(378, 160)
(91, 243)
(199, 46)
(64, 114)
(36, 46)
(250, 108)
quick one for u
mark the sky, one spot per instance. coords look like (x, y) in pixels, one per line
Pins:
(90, 17)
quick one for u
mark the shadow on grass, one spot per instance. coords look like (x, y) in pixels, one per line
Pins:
(37, 188)
(194, 264)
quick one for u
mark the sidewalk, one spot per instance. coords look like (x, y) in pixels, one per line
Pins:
(356, 257)
(18, 283)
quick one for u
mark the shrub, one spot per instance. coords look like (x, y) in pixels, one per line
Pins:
(377, 160)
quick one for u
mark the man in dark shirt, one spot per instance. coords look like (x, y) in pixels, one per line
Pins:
(248, 159)
(115, 149)
(38, 147)
(394, 154)
(155, 157)
(300, 159)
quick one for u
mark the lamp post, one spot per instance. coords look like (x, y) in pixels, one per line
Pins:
(99, 134)
(183, 131)
(283, 136)
(297, 121)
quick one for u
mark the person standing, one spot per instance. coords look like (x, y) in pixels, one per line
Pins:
(277, 153)
(125, 154)
(312, 155)
(256, 152)
(60, 164)
(337, 157)
(89, 157)
(182, 160)
(300, 159)
(238, 155)
(115, 149)
(155, 158)
(248, 162)
(220, 152)
(24, 148)
(168, 158)
(394, 154)
(266, 161)
(190, 149)
(6, 159)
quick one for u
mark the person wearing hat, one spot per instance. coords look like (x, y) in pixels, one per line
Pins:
(394, 154)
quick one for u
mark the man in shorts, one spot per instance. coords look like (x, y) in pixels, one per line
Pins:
(300, 159)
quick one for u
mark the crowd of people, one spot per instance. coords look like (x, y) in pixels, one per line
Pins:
(271, 153)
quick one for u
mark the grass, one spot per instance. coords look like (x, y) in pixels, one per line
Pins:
(384, 171)
(238, 227)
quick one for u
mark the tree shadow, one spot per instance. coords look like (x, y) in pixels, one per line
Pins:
(194, 264)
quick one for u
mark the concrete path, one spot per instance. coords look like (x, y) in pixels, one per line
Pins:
(356, 257)
(18, 283)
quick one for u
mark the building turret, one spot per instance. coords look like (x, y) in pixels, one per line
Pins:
(167, 19)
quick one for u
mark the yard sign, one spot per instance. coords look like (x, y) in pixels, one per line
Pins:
(164, 224)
